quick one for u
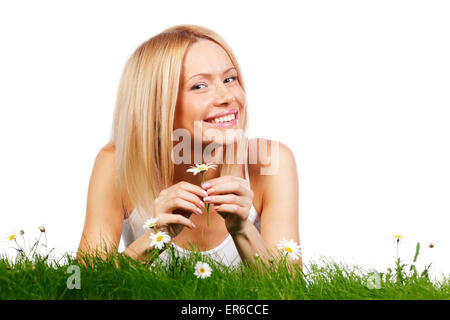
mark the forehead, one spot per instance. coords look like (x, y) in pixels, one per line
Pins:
(205, 56)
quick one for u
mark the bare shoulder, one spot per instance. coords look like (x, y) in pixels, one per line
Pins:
(267, 155)
(276, 173)
(106, 162)
(272, 167)
(109, 148)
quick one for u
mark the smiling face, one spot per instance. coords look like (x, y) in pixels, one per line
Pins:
(210, 93)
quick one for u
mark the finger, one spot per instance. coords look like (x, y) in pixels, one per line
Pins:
(179, 219)
(230, 187)
(226, 198)
(223, 180)
(191, 188)
(179, 203)
(191, 197)
(230, 208)
(167, 219)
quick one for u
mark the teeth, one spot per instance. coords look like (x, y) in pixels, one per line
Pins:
(223, 119)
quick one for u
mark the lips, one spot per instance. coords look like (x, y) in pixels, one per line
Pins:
(222, 114)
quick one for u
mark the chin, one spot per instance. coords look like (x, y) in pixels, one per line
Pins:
(222, 137)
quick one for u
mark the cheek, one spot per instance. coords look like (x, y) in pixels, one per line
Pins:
(242, 106)
(185, 116)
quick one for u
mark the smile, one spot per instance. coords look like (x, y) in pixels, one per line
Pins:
(227, 120)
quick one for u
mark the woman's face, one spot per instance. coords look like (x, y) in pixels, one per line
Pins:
(210, 94)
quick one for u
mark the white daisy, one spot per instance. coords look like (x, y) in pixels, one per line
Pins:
(150, 223)
(290, 248)
(159, 239)
(202, 270)
(201, 167)
(398, 239)
(11, 236)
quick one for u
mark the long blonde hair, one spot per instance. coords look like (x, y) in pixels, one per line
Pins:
(144, 115)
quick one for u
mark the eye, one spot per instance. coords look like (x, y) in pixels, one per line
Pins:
(201, 84)
(193, 88)
(234, 78)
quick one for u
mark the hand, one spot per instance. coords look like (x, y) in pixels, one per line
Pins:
(232, 199)
(174, 206)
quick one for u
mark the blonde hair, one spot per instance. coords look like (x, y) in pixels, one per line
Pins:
(144, 115)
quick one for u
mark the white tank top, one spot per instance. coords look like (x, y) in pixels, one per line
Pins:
(226, 252)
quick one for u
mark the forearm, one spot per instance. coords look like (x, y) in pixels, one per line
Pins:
(140, 250)
(92, 248)
(249, 242)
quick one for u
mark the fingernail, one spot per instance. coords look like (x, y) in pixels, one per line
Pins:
(206, 199)
(199, 211)
(206, 185)
(193, 225)
(202, 204)
(205, 193)
(210, 190)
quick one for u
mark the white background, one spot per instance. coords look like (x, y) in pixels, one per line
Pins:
(359, 91)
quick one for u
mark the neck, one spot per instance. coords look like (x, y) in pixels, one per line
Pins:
(181, 174)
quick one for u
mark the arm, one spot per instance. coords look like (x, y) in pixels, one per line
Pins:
(279, 216)
(104, 215)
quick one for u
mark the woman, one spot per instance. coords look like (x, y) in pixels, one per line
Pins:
(186, 82)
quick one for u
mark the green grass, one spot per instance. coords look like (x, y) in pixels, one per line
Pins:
(40, 278)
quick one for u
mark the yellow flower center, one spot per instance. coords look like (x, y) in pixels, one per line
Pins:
(201, 168)
(398, 237)
(202, 270)
(12, 237)
(288, 249)
(159, 238)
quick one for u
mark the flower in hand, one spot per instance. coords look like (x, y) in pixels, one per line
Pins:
(202, 168)
(150, 223)
(232, 199)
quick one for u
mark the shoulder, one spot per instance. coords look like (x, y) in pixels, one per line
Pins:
(109, 148)
(266, 154)
(276, 172)
(272, 167)
(105, 163)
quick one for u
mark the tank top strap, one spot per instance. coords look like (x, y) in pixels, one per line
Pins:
(253, 214)
(246, 165)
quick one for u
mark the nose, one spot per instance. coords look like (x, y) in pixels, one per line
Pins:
(223, 96)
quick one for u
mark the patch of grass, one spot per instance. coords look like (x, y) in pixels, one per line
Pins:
(40, 278)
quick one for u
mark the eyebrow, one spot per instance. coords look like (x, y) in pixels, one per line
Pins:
(208, 74)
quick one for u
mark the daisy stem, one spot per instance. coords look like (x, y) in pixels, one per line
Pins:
(397, 248)
(23, 241)
(35, 245)
(46, 249)
(207, 205)
(22, 252)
